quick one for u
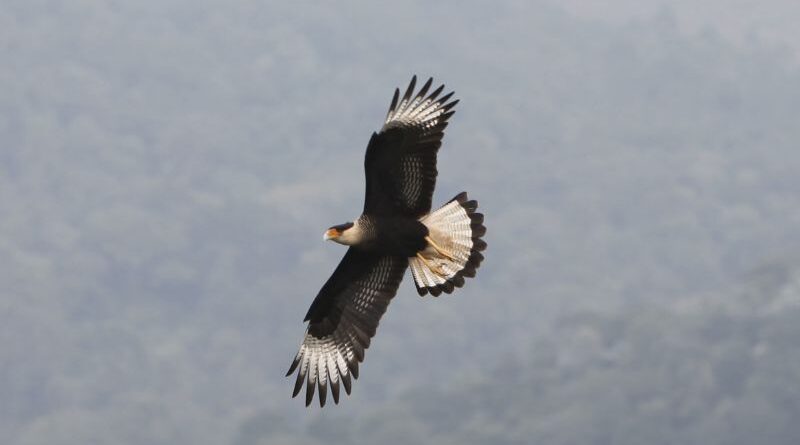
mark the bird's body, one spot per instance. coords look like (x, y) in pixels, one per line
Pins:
(395, 231)
(400, 236)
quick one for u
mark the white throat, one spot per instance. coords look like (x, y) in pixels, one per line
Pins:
(351, 236)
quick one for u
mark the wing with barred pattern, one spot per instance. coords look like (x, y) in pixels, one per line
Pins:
(342, 319)
(400, 163)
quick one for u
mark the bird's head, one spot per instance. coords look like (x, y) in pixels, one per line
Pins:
(342, 234)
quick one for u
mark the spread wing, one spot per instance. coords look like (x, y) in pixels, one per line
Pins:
(342, 320)
(400, 163)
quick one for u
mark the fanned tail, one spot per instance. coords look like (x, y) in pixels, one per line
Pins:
(456, 229)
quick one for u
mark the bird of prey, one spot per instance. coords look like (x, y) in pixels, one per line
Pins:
(396, 230)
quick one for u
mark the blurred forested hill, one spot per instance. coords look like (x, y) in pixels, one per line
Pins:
(167, 170)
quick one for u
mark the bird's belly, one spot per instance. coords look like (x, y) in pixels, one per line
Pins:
(399, 238)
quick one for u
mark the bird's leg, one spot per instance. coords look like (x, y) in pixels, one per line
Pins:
(433, 267)
(439, 250)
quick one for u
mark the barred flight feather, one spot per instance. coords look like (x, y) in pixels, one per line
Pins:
(400, 161)
(331, 351)
(422, 112)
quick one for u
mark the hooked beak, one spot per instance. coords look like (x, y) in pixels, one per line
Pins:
(331, 234)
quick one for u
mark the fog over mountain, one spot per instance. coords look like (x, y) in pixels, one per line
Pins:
(167, 170)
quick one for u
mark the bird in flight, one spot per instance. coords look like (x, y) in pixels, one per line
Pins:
(395, 231)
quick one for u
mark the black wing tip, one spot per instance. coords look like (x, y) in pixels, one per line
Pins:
(310, 389)
(335, 392)
(428, 83)
(436, 92)
(447, 96)
(321, 387)
(395, 100)
(425, 88)
(443, 105)
(410, 89)
(323, 392)
(298, 384)
(346, 382)
(450, 105)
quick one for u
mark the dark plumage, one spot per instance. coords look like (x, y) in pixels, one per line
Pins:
(400, 163)
(395, 230)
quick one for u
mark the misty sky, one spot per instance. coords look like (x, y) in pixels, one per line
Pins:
(167, 170)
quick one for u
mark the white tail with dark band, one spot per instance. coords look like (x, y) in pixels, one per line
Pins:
(456, 229)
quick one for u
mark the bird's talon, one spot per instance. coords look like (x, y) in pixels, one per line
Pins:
(435, 268)
(439, 250)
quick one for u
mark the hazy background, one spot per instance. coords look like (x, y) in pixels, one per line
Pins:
(167, 169)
